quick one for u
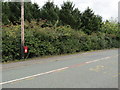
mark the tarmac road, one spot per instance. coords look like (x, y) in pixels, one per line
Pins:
(95, 69)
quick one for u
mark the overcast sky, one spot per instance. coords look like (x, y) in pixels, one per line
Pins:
(104, 8)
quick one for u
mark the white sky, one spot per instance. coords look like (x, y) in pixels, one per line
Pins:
(104, 8)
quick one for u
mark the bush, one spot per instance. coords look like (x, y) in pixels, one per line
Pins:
(53, 41)
(11, 43)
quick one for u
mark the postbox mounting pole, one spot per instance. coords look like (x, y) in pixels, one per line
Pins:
(22, 29)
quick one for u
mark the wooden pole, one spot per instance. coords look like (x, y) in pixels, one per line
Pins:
(22, 29)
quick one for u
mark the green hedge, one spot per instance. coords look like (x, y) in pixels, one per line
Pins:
(53, 41)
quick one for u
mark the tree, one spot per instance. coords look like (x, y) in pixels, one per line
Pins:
(36, 11)
(50, 12)
(70, 16)
(5, 12)
(32, 11)
(90, 21)
(28, 14)
(77, 19)
(11, 12)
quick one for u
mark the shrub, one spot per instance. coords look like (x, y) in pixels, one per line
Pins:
(53, 41)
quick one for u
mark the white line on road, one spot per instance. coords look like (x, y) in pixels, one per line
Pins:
(33, 76)
(51, 71)
(97, 60)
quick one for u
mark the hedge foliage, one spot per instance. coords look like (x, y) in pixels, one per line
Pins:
(53, 41)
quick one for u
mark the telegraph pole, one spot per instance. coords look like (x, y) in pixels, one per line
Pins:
(119, 12)
(22, 29)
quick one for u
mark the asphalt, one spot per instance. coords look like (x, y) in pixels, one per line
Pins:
(96, 69)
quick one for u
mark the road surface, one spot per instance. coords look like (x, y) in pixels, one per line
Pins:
(96, 69)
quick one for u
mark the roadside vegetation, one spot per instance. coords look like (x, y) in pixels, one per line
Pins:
(51, 30)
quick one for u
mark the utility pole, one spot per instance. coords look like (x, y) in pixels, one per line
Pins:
(119, 12)
(119, 15)
(22, 29)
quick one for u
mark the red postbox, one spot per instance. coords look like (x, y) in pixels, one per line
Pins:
(25, 49)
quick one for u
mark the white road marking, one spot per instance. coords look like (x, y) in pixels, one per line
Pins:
(97, 60)
(51, 71)
(33, 76)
